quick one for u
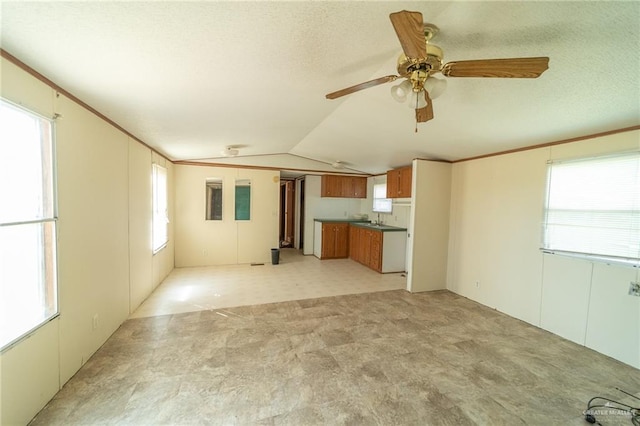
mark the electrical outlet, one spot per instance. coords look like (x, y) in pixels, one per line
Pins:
(634, 289)
(95, 321)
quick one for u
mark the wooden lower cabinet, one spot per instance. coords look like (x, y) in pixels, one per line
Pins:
(375, 257)
(366, 247)
(335, 240)
(379, 250)
(354, 242)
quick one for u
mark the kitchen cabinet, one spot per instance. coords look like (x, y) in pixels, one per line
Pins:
(354, 187)
(379, 248)
(343, 186)
(354, 242)
(368, 252)
(375, 256)
(399, 182)
(331, 186)
(335, 240)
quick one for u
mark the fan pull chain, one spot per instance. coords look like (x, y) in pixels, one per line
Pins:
(416, 131)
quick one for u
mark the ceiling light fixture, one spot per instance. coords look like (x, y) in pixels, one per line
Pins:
(406, 92)
(435, 86)
(230, 151)
(417, 100)
(400, 91)
(338, 164)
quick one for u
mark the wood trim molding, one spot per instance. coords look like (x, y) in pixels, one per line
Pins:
(211, 160)
(548, 144)
(17, 62)
(286, 169)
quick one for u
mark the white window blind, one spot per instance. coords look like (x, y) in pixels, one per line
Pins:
(160, 214)
(593, 207)
(381, 203)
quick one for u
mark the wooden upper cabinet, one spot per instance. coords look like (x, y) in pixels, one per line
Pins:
(393, 180)
(399, 182)
(405, 182)
(354, 187)
(331, 186)
(343, 186)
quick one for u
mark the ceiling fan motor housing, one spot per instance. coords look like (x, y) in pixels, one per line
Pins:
(431, 64)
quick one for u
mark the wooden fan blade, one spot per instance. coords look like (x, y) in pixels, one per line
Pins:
(425, 113)
(410, 30)
(361, 86)
(509, 68)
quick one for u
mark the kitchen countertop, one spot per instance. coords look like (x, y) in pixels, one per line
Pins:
(383, 228)
(343, 220)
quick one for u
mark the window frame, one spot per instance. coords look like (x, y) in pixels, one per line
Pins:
(237, 205)
(49, 222)
(159, 216)
(211, 185)
(609, 257)
(385, 201)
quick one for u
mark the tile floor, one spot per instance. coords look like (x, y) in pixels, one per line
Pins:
(295, 277)
(373, 358)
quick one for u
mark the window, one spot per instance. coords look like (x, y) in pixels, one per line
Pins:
(214, 199)
(243, 199)
(160, 214)
(28, 286)
(381, 204)
(593, 207)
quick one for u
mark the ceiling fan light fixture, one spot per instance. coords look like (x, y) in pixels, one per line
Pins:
(399, 92)
(417, 100)
(435, 86)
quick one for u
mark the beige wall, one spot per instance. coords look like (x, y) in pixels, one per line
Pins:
(495, 225)
(429, 228)
(202, 242)
(93, 261)
(103, 192)
(140, 205)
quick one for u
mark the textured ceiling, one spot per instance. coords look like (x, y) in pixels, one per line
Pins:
(189, 78)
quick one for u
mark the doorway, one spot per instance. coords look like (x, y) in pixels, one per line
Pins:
(287, 213)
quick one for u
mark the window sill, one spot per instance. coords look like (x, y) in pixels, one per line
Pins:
(159, 249)
(609, 260)
(28, 334)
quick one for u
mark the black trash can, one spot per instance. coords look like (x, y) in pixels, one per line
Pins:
(275, 256)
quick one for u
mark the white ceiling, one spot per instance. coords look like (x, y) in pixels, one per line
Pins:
(189, 78)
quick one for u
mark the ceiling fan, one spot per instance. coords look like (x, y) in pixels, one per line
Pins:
(421, 60)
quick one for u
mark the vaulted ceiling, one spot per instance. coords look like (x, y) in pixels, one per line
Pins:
(190, 78)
